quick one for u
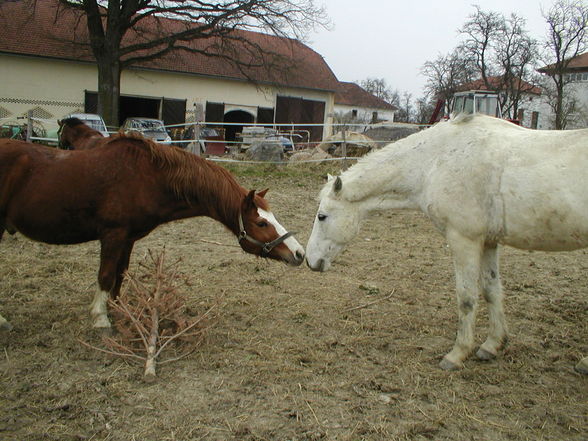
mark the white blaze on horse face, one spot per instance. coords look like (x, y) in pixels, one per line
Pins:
(295, 248)
(336, 224)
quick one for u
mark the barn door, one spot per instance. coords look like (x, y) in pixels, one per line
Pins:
(173, 111)
(90, 102)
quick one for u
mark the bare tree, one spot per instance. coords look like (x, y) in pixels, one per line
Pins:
(567, 38)
(377, 87)
(122, 33)
(481, 32)
(516, 54)
(404, 104)
(503, 53)
(446, 74)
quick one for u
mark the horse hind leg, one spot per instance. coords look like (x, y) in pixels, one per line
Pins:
(492, 291)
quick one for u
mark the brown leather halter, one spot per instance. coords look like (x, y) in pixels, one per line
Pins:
(266, 247)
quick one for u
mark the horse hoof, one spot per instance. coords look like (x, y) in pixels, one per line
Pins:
(104, 332)
(485, 355)
(447, 365)
(6, 326)
(582, 367)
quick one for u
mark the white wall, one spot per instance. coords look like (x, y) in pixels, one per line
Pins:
(58, 87)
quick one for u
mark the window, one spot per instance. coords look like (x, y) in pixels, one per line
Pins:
(534, 119)
(354, 113)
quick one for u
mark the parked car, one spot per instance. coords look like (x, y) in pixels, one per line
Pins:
(148, 127)
(92, 120)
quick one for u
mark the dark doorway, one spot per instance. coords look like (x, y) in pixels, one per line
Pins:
(138, 106)
(236, 116)
(298, 111)
(173, 111)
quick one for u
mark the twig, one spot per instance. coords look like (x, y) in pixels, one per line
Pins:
(106, 351)
(371, 303)
(183, 331)
(218, 243)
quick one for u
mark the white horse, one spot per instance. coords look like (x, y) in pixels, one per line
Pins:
(483, 182)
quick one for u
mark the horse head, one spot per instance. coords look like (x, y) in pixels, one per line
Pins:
(74, 134)
(261, 234)
(336, 224)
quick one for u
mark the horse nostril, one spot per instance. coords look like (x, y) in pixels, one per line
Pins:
(299, 255)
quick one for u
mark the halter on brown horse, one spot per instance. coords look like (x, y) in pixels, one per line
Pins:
(74, 134)
(118, 194)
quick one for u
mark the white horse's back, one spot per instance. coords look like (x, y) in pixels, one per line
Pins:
(519, 187)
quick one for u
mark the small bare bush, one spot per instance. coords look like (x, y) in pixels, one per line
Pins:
(150, 316)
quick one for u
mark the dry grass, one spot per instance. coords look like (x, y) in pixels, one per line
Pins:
(350, 354)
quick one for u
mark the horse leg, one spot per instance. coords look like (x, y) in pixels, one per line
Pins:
(467, 256)
(492, 291)
(5, 324)
(582, 366)
(111, 252)
(123, 265)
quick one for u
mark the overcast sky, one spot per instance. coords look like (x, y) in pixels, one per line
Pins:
(392, 39)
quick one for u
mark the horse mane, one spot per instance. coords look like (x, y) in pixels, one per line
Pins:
(71, 122)
(187, 175)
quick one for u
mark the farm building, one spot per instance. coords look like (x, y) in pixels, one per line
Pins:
(355, 104)
(46, 66)
(576, 79)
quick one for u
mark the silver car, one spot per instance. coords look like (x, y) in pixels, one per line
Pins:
(148, 127)
(92, 120)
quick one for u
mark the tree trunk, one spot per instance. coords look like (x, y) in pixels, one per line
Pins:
(109, 72)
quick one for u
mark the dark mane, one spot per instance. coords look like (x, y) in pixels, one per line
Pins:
(71, 122)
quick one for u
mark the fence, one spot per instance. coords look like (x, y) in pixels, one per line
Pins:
(197, 137)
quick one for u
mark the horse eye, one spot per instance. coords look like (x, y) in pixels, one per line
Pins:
(262, 224)
(321, 217)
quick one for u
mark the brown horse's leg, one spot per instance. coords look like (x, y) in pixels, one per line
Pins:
(123, 265)
(113, 248)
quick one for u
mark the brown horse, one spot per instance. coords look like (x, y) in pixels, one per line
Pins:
(119, 193)
(74, 134)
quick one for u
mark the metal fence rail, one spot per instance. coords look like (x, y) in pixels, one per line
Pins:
(35, 129)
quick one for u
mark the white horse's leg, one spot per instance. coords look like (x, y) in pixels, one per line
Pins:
(5, 324)
(99, 311)
(582, 366)
(492, 291)
(467, 257)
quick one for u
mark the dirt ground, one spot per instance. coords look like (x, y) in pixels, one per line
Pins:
(351, 354)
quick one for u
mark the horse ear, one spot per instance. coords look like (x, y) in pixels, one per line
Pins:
(338, 185)
(249, 201)
(262, 193)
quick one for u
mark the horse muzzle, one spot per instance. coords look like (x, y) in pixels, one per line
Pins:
(321, 265)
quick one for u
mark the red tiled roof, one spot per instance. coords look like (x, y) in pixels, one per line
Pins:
(578, 63)
(351, 94)
(496, 82)
(48, 31)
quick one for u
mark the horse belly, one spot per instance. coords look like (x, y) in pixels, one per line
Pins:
(52, 223)
(547, 227)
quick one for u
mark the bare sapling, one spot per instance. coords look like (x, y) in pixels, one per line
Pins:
(151, 316)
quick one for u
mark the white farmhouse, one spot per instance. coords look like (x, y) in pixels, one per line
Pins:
(46, 66)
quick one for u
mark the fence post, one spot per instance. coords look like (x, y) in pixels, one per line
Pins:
(29, 125)
(344, 148)
(197, 130)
